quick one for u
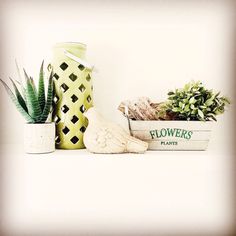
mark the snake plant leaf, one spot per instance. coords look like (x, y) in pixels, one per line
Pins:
(54, 110)
(19, 96)
(48, 103)
(32, 100)
(33, 85)
(17, 104)
(41, 90)
(25, 88)
(30, 79)
(21, 81)
(23, 91)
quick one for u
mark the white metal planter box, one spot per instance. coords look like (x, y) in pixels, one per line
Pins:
(173, 135)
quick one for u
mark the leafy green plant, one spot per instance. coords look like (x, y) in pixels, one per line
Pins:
(195, 102)
(30, 101)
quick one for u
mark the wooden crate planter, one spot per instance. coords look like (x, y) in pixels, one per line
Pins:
(173, 135)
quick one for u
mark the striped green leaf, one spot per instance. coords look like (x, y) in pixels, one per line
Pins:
(21, 81)
(48, 104)
(41, 90)
(32, 100)
(33, 85)
(17, 104)
(19, 96)
(54, 110)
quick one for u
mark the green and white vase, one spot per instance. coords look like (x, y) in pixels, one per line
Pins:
(73, 94)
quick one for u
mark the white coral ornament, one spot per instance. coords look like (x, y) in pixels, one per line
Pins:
(102, 136)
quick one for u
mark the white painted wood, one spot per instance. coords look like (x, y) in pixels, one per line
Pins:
(197, 135)
(180, 145)
(193, 125)
(173, 135)
(39, 138)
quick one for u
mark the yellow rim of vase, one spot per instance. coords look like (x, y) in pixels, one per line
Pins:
(69, 44)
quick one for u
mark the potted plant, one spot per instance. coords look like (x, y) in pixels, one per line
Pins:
(182, 122)
(31, 102)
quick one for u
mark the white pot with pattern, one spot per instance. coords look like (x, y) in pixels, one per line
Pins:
(39, 138)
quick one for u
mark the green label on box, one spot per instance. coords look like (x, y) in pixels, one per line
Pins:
(171, 132)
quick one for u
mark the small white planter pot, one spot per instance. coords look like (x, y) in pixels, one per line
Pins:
(173, 135)
(39, 138)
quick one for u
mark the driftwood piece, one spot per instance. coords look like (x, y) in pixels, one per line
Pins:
(143, 109)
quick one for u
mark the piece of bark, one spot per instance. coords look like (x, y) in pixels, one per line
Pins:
(143, 109)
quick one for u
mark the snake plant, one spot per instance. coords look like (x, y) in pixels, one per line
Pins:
(30, 101)
(195, 102)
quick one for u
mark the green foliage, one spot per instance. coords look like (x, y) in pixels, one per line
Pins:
(48, 104)
(41, 92)
(195, 102)
(30, 101)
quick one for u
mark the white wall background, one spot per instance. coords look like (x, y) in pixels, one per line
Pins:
(140, 48)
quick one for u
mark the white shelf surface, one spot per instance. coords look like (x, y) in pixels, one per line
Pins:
(74, 190)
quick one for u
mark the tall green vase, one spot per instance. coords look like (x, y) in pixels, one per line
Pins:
(73, 94)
